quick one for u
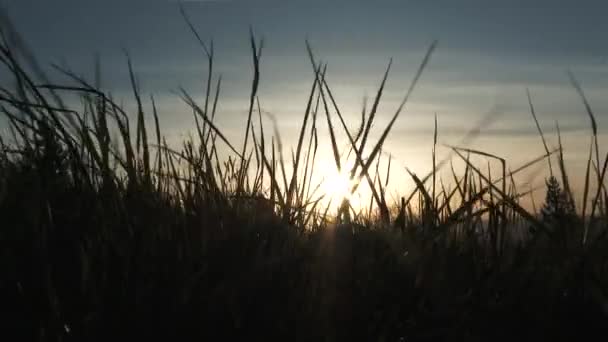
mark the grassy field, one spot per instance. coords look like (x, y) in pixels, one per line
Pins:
(108, 232)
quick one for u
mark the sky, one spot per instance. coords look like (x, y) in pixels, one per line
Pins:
(488, 53)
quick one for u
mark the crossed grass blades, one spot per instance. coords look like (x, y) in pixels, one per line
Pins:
(108, 231)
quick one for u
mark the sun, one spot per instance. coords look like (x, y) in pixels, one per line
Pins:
(337, 186)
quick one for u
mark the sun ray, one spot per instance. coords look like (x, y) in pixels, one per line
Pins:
(337, 186)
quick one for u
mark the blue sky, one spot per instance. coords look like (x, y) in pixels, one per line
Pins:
(489, 52)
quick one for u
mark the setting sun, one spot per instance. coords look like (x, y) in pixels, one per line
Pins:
(336, 186)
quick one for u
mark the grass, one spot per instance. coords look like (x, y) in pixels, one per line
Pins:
(109, 232)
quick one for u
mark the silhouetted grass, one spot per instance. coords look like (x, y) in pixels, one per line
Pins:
(109, 236)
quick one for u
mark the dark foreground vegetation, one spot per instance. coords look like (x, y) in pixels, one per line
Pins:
(108, 233)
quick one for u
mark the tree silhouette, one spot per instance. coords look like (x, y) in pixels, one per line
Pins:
(558, 211)
(557, 204)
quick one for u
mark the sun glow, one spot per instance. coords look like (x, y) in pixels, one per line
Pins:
(337, 186)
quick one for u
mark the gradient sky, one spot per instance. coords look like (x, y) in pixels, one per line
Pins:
(488, 53)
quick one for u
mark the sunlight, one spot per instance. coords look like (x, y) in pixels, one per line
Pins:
(336, 186)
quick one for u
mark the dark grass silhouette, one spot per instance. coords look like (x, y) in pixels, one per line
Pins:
(120, 236)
